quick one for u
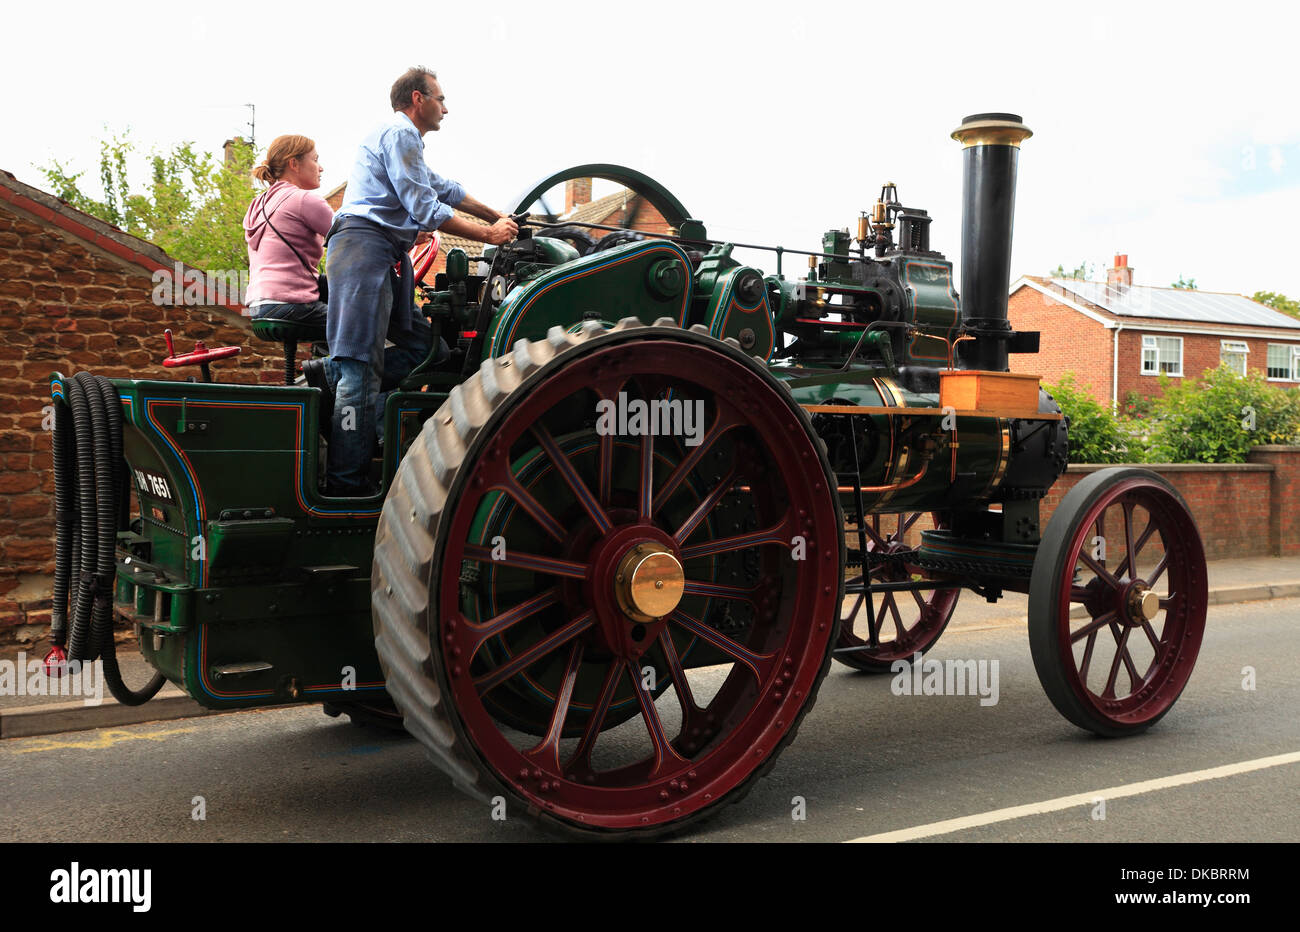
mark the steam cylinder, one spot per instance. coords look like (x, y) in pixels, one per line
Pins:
(990, 147)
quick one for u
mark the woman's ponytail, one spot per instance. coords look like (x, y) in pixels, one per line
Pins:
(281, 150)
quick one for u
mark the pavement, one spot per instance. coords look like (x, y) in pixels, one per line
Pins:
(1231, 581)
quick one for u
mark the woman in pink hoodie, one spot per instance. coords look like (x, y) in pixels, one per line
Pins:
(285, 229)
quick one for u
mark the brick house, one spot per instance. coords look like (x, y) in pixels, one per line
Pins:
(76, 294)
(1118, 337)
(620, 209)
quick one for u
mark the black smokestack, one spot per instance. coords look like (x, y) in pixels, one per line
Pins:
(990, 147)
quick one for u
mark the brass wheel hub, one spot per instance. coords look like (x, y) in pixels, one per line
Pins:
(1142, 604)
(649, 582)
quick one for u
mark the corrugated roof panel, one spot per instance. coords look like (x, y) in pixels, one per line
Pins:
(1176, 304)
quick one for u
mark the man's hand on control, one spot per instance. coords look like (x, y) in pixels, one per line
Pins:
(501, 232)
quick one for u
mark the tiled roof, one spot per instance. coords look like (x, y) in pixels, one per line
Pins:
(1187, 306)
(596, 211)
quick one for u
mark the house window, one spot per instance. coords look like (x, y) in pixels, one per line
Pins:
(1162, 354)
(1234, 353)
(1284, 362)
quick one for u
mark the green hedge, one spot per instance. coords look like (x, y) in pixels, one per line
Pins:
(1214, 419)
(1096, 434)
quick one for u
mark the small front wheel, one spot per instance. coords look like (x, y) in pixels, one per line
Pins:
(1117, 601)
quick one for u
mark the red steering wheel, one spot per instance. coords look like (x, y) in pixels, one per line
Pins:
(423, 257)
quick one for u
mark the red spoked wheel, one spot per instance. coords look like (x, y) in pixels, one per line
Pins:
(689, 578)
(878, 630)
(525, 703)
(423, 257)
(1117, 601)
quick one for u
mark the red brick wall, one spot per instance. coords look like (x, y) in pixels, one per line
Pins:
(1232, 504)
(1200, 352)
(1284, 518)
(68, 306)
(1241, 510)
(1069, 342)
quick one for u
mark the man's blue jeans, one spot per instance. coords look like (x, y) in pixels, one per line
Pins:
(359, 401)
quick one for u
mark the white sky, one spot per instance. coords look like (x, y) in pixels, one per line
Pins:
(1169, 132)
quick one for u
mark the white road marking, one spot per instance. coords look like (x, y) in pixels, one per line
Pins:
(1080, 799)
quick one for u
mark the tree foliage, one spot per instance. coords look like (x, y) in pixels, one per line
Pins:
(192, 206)
(1219, 417)
(1083, 271)
(1278, 302)
(1184, 284)
(1096, 434)
(1214, 419)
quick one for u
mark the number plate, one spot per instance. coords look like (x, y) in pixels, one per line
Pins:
(153, 485)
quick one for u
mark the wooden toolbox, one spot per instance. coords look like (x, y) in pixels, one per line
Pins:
(999, 394)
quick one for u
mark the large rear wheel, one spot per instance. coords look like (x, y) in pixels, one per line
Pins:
(632, 524)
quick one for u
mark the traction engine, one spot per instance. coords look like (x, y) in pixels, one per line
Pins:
(626, 523)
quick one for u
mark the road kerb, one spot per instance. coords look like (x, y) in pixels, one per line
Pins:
(1232, 594)
(59, 717)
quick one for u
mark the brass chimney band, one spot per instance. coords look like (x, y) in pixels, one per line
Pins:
(991, 133)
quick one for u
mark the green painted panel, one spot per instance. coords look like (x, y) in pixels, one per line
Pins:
(646, 280)
(933, 306)
(750, 323)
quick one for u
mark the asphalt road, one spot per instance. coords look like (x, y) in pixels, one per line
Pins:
(866, 762)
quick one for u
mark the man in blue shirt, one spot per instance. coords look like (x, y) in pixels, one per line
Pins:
(393, 200)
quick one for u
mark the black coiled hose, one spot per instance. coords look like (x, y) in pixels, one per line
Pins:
(89, 499)
(65, 523)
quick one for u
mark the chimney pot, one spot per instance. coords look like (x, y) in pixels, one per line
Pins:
(1121, 274)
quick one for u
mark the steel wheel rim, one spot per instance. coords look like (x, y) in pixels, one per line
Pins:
(1147, 515)
(932, 612)
(775, 669)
